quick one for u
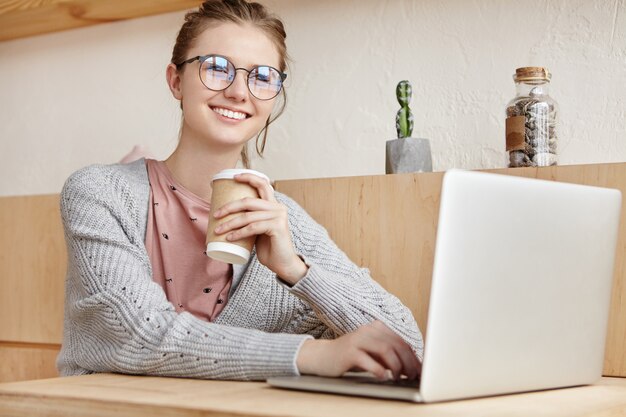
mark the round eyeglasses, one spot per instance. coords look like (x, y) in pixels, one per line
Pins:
(217, 73)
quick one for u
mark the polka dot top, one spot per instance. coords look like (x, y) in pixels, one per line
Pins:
(175, 236)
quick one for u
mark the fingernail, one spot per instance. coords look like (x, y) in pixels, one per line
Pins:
(217, 213)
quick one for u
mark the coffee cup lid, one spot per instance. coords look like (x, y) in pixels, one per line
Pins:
(229, 174)
(227, 252)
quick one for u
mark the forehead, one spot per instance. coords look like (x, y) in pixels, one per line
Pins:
(245, 45)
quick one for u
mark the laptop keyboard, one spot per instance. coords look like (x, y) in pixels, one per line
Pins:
(403, 382)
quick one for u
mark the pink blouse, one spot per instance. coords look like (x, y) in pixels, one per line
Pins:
(175, 234)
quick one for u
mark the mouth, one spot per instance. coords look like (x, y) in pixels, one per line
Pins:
(230, 114)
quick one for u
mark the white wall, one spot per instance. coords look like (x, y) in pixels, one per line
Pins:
(78, 97)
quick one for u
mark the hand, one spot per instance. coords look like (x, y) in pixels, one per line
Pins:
(266, 218)
(373, 348)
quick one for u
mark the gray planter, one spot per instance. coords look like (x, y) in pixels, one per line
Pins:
(408, 155)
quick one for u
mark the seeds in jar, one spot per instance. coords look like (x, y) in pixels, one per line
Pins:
(531, 119)
(539, 133)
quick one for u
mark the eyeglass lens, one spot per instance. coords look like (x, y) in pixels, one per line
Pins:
(217, 73)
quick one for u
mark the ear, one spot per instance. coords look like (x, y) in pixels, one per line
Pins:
(172, 76)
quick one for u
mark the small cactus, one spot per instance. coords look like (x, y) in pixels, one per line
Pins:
(404, 117)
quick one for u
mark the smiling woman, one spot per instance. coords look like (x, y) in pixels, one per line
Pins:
(142, 297)
(232, 47)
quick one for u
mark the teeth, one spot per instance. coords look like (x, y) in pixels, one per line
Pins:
(229, 113)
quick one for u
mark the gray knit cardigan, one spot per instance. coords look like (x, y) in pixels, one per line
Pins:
(117, 319)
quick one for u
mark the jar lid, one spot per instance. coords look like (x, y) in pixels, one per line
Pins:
(532, 74)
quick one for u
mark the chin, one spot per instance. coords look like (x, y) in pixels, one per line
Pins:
(229, 141)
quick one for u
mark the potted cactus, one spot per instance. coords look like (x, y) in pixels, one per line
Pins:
(406, 154)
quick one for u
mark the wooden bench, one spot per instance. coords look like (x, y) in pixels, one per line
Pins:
(386, 223)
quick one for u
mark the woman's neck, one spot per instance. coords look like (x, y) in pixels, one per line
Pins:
(193, 164)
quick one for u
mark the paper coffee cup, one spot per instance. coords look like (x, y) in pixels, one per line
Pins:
(225, 190)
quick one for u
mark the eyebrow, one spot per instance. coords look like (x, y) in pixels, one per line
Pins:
(247, 66)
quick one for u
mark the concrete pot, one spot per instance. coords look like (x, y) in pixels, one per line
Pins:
(408, 155)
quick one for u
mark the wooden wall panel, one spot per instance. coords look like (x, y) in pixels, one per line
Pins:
(32, 269)
(388, 223)
(22, 362)
(20, 18)
(385, 223)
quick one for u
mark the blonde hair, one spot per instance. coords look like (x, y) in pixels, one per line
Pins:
(211, 12)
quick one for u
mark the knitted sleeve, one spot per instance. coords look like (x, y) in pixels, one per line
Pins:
(342, 295)
(118, 320)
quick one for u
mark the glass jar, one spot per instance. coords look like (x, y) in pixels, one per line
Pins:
(531, 119)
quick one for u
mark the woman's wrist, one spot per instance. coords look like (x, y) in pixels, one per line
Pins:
(310, 354)
(295, 273)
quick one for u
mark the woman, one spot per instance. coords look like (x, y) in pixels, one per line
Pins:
(143, 298)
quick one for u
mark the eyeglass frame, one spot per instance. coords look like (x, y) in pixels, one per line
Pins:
(202, 58)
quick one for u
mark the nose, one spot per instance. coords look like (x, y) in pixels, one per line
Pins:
(238, 90)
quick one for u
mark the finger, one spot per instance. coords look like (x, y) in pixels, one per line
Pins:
(245, 204)
(368, 364)
(410, 363)
(411, 366)
(243, 220)
(253, 229)
(372, 341)
(266, 192)
(387, 356)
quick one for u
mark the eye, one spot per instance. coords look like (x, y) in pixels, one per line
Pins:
(263, 77)
(266, 75)
(216, 63)
(212, 66)
(217, 68)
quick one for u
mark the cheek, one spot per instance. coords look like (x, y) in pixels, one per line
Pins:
(197, 97)
(264, 109)
(192, 89)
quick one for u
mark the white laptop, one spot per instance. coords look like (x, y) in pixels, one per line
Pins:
(520, 293)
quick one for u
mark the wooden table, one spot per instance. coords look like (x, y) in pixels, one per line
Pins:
(123, 395)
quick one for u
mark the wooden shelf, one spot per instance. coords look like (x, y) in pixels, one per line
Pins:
(21, 18)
